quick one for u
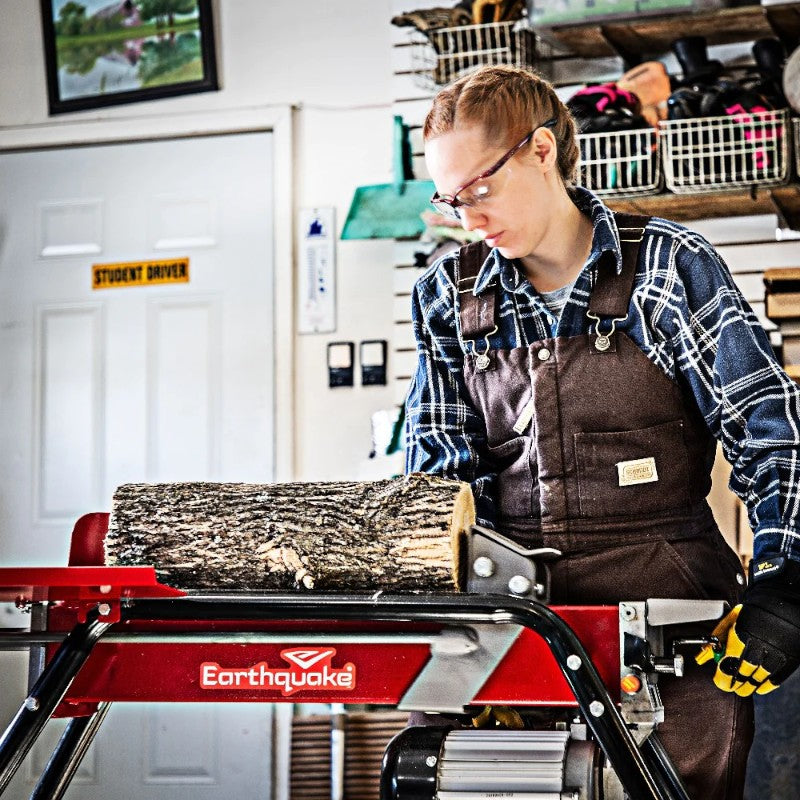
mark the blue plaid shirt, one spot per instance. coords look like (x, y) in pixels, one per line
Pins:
(687, 316)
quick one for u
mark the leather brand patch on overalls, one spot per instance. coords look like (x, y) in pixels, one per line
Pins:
(640, 470)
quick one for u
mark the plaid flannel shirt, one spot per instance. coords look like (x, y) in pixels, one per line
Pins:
(687, 316)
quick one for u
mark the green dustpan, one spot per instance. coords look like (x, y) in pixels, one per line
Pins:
(390, 210)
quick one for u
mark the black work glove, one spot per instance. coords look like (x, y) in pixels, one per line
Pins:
(759, 641)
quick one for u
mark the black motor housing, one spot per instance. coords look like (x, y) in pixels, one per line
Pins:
(410, 764)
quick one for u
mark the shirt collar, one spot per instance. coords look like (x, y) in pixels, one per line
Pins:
(605, 239)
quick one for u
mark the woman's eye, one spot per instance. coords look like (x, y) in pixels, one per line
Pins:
(481, 191)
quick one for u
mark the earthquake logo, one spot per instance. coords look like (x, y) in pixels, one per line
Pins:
(308, 668)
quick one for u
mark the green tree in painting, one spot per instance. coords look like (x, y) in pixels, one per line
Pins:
(80, 59)
(166, 60)
(71, 19)
(162, 10)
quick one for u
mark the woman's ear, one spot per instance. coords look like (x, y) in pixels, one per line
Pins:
(544, 148)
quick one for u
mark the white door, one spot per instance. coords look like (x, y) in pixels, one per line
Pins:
(100, 387)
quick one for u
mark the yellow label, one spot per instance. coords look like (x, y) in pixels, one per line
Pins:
(140, 273)
(640, 470)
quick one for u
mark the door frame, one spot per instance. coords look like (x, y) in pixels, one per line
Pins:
(277, 120)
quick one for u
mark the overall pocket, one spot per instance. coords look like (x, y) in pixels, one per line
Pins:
(632, 571)
(516, 485)
(632, 473)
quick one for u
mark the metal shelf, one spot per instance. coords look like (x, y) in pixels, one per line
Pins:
(649, 37)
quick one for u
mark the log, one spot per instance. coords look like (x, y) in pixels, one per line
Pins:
(394, 535)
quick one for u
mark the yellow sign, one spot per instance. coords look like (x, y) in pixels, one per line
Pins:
(140, 273)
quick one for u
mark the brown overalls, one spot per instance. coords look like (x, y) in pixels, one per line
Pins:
(599, 454)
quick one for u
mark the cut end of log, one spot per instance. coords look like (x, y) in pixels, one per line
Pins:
(463, 520)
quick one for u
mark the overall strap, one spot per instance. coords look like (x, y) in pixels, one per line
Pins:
(611, 295)
(477, 315)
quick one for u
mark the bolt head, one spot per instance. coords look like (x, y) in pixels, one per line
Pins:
(104, 609)
(483, 567)
(431, 761)
(596, 708)
(627, 613)
(574, 662)
(32, 703)
(519, 584)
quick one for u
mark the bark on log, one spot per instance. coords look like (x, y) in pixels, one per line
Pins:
(395, 535)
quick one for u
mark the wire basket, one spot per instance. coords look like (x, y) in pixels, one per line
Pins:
(440, 56)
(711, 153)
(622, 162)
(796, 124)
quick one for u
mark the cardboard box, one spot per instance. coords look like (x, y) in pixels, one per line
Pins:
(782, 293)
(790, 349)
(784, 305)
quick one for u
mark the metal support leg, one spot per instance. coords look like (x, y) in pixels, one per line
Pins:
(67, 756)
(655, 755)
(46, 694)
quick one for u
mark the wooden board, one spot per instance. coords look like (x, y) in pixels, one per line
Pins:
(652, 36)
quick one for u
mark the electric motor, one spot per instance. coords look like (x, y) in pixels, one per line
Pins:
(433, 763)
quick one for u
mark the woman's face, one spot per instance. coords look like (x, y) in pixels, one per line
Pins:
(511, 212)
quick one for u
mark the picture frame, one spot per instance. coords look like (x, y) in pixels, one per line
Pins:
(100, 53)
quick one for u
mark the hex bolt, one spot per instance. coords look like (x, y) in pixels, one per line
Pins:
(32, 703)
(627, 613)
(483, 567)
(540, 589)
(519, 584)
(574, 662)
(431, 761)
(596, 708)
(104, 609)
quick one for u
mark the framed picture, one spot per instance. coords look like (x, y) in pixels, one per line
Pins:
(105, 52)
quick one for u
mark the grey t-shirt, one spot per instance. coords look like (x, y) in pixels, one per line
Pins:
(557, 299)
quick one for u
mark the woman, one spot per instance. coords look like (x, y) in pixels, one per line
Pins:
(575, 367)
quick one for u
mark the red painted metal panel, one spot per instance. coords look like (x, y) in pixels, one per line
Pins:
(176, 671)
(85, 586)
(376, 673)
(529, 675)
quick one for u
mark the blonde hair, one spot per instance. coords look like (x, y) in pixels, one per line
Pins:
(507, 102)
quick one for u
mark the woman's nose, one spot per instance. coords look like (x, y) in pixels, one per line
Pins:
(470, 218)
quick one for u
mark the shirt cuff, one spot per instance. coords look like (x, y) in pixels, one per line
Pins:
(485, 513)
(772, 540)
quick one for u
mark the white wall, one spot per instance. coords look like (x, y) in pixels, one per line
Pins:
(332, 60)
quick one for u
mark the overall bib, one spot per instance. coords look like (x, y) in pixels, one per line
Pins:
(602, 456)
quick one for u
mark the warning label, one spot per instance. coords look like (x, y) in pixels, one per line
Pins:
(140, 273)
